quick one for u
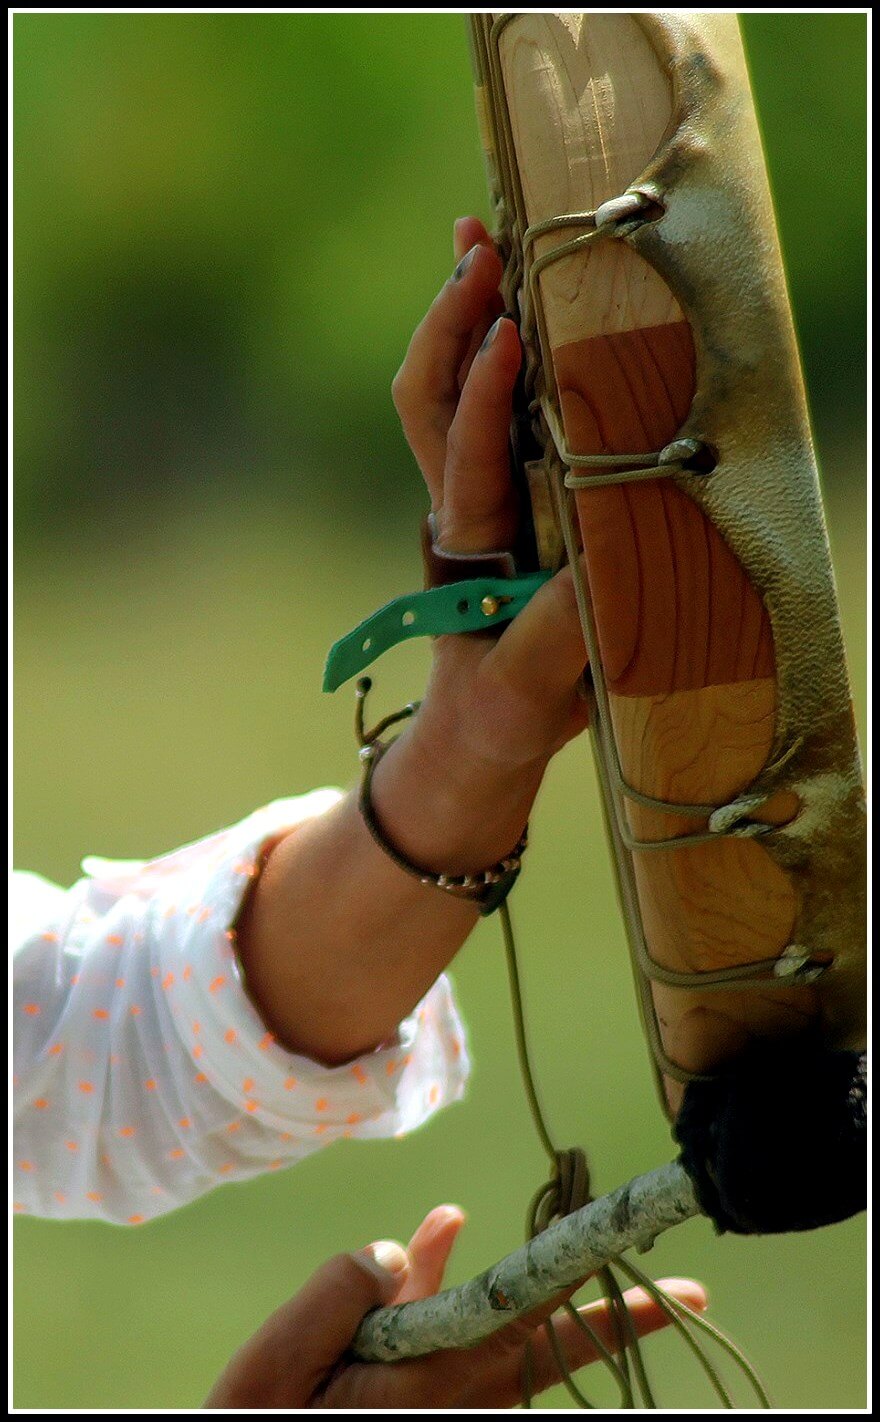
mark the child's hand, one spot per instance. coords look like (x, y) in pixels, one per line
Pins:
(300, 1358)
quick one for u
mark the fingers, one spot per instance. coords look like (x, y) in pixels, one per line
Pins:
(578, 1348)
(467, 232)
(498, 1383)
(483, 1376)
(426, 388)
(479, 506)
(429, 1251)
(485, 411)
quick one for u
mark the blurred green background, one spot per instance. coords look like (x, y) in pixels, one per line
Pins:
(227, 227)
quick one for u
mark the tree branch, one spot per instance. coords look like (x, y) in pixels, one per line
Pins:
(570, 1250)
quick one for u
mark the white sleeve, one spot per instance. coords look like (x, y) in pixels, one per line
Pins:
(144, 1075)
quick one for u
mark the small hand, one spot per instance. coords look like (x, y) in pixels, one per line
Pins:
(300, 1357)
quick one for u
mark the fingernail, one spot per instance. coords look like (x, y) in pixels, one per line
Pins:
(491, 334)
(385, 1259)
(691, 1290)
(465, 263)
(439, 1219)
(448, 1212)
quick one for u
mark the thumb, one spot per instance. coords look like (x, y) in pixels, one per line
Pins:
(350, 1286)
(288, 1359)
(331, 1306)
(541, 653)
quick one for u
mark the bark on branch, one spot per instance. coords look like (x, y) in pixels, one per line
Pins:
(572, 1249)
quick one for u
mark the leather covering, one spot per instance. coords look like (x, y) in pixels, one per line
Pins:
(715, 246)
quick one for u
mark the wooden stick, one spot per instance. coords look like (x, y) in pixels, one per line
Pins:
(566, 1253)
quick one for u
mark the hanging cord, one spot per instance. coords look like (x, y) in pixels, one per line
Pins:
(567, 1189)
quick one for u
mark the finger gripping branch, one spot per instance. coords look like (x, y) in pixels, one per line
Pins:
(562, 1255)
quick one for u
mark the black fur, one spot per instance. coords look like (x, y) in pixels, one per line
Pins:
(778, 1141)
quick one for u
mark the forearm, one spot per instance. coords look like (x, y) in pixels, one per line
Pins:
(337, 942)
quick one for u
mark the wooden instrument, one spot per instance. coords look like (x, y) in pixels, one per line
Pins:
(663, 437)
(579, 111)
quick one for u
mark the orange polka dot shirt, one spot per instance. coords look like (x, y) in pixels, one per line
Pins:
(143, 1074)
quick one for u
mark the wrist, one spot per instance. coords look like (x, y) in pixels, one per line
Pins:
(444, 805)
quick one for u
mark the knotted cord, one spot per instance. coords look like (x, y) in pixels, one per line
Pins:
(568, 1189)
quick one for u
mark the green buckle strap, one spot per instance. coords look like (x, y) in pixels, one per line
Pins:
(475, 605)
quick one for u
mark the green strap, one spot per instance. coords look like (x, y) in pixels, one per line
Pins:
(470, 606)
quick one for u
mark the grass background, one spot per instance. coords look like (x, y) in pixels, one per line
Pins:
(226, 228)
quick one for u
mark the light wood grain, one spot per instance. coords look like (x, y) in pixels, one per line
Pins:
(685, 640)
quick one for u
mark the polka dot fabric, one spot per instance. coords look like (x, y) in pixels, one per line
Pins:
(144, 1075)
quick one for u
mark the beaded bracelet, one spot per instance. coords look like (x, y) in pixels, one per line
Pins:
(488, 888)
